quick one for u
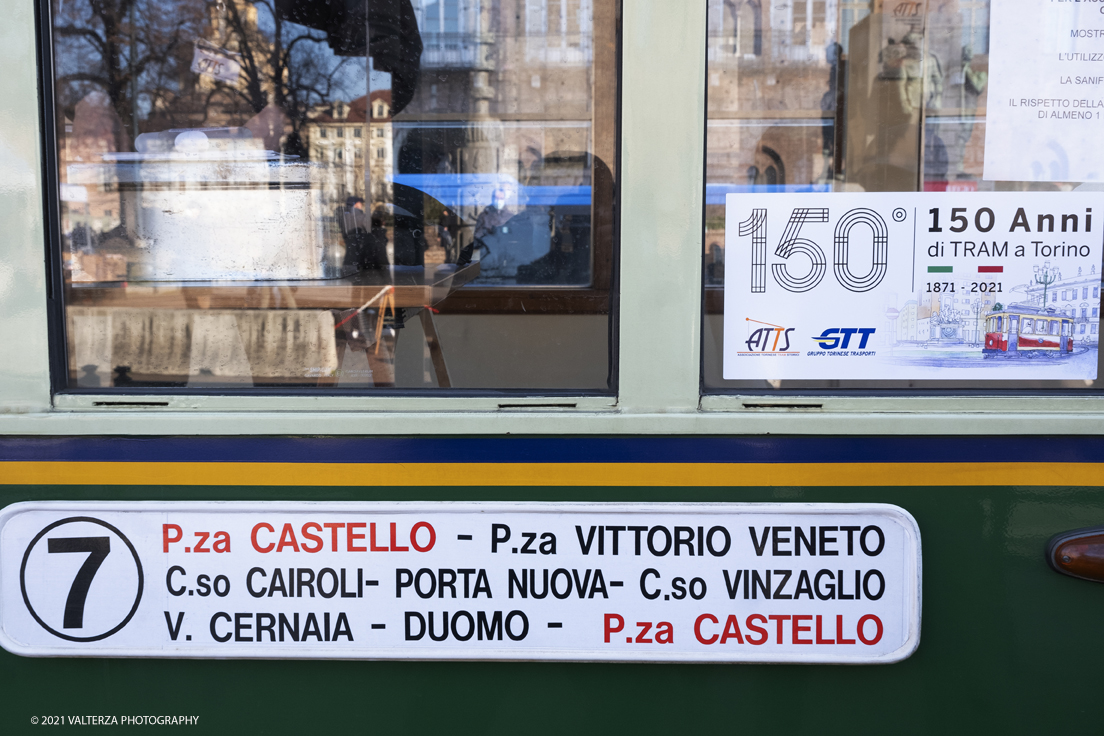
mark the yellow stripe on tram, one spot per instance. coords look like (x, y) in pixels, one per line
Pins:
(549, 474)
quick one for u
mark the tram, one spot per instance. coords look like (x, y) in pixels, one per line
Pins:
(1028, 330)
(277, 457)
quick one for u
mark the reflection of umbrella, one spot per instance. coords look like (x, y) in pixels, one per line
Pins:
(393, 209)
(395, 44)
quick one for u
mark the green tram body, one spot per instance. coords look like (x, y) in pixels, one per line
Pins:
(1007, 645)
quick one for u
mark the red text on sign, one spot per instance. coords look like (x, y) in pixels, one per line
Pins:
(352, 536)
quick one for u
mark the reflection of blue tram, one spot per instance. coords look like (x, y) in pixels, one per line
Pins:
(1022, 329)
(546, 238)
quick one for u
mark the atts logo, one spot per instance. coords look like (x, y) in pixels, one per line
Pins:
(840, 337)
(769, 338)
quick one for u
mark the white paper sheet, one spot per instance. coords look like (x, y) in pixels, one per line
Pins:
(1046, 91)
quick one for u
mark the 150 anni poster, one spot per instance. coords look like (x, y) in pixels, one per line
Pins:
(912, 285)
(616, 582)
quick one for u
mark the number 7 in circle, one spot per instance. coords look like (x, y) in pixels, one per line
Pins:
(99, 548)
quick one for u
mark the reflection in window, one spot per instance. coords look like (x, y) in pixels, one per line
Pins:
(809, 96)
(975, 25)
(270, 194)
(558, 31)
(736, 28)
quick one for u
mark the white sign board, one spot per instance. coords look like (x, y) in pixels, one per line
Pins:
(216, 63)
(918, 285)
(521, 581)
(73, 193)
(1046, 91)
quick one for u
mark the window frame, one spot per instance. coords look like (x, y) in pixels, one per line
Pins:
(598, 298)
(728, 398)
(660, 284)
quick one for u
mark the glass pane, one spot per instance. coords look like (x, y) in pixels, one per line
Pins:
(811, 102)
(412, 194)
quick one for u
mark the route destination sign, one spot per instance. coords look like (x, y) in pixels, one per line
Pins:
(828, 583)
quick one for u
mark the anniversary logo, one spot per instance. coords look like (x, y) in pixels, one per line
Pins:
(912, 285)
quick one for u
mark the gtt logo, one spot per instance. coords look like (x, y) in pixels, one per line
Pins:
(840, 337)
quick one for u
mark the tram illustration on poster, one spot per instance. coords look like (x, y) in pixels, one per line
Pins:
(919, 285)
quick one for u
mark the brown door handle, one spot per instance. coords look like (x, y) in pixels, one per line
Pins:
(1078, 553)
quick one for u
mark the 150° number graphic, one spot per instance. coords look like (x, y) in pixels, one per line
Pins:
(792, 244)
(79, 598)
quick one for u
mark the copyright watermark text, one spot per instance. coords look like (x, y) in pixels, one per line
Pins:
(114, 720)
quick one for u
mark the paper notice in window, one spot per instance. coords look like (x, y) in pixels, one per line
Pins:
(1046, 91)
(211, 61)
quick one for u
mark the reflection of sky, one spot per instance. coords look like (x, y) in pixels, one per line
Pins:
(379, 80)
(476, 190)
(716, 193)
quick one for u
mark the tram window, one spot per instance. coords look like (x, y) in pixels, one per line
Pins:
(1054, 327)
(843, 97)
(387, 203)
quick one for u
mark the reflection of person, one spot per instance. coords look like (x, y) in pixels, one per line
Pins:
(354, 230)
(884, 128)
(447, 227)
(919, 75)
(828, 104)
(969, 91)
(568, 258)
(496, 214)
(365, 244)
(376, 255)
(921, 85)
(974, 81)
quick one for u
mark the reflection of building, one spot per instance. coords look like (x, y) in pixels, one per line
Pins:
(1078, 297)
(336, 137)
(515, 89)
(93, 131)
(794, 102)
(487, 74)
(380, 153)
(772, 90)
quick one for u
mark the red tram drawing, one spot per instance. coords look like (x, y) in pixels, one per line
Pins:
(1027, 330)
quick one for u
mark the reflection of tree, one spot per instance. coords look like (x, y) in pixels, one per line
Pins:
(129, 49)
(138, 53)
(286, 65)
